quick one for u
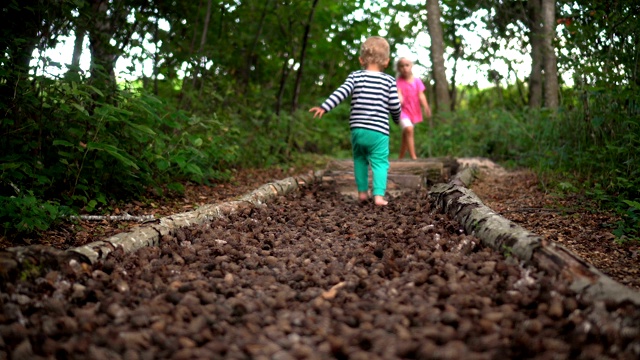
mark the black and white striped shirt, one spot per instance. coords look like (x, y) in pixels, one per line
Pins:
(374, 96)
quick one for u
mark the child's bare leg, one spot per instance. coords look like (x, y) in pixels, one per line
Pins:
(410, 142)
(380, 201)
(403, 144)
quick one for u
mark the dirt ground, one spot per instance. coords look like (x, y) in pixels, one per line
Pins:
(315, 275)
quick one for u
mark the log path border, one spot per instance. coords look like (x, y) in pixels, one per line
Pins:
(37, 259)
(458, 201)
(453, 198)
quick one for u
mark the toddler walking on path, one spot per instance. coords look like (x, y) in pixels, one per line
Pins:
(374, 96)
(413, 102)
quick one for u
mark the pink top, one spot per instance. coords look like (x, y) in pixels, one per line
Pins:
(410, 93)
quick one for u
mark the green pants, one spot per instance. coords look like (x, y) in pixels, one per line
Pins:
(370, 148)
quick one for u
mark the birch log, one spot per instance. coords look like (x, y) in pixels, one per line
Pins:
(459, 202)
(123, 217)
(12, 259)
(152, 235)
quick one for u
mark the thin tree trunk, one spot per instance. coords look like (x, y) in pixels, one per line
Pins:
(535, 39)
(519, 85)
(156, 57)
(454, 93)
(203, 41)
(286, 70)
(283, 82)
(635, 74)
(443, 101)
(550, 60)
(205, 27)
(77, 48)
(192, 46)
(303, 53)
(250, 55)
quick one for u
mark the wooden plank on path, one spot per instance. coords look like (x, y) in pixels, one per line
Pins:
(403, 174)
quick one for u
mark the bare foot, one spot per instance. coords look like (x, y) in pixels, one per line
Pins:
(380, 201)
(363, 195)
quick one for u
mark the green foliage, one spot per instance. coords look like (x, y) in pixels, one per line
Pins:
(498, 134)
(89, 151)
(25, 214)
(329, 134)
(600, 42)
(192, 149)
(507, 251)
(73, 144)
(30, 271)
(628, 228)
(593, 151)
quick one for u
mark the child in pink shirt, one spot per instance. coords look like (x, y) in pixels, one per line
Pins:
(411, 90)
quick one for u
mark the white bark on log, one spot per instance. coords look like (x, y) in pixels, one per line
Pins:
(46, 257)
(152, 235)
(476, 218)
(124, 217)
(456, 200)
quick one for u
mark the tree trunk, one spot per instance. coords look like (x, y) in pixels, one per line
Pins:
(203, 41)
(156, 56)
(443, 101)
(286, 69)
(303, 51)
(283, 81)
(77, 48)
(250, 56)
(535, 39)
(550, 60)
(457, 54)
(108, 17)
(183, 102)
(635, 74)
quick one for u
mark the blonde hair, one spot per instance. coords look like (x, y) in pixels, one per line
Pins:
(375, 50)
(398, 64)
(401, 59)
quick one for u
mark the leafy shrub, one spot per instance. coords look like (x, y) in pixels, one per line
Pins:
(78, 150)
(25, 214)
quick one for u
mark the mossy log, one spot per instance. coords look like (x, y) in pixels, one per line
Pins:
(459, 202)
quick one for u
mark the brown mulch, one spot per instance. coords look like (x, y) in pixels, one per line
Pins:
(516, 195)
(311, 275)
